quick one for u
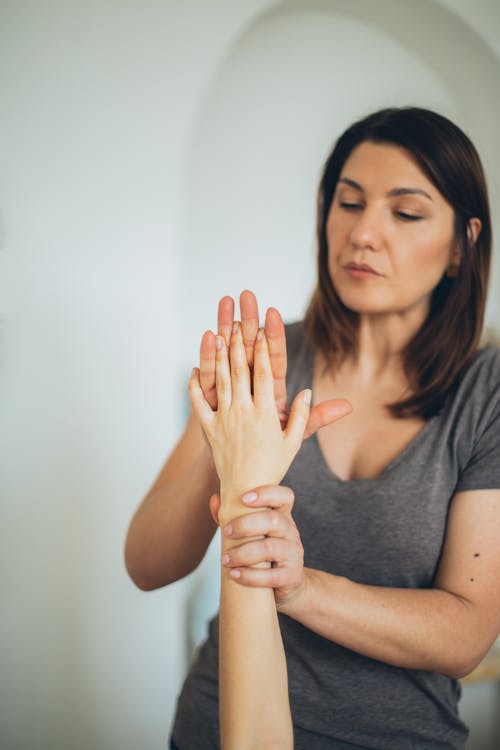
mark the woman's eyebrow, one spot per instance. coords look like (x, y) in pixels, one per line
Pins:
(391, 193)
(351, 183)
(409, 191)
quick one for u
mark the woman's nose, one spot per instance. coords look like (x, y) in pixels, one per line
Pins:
(367, 229)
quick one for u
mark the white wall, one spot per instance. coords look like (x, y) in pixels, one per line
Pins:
(153, 154)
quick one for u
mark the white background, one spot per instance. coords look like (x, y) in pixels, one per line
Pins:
(154, 156)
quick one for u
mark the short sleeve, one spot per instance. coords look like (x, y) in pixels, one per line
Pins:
(482, 471)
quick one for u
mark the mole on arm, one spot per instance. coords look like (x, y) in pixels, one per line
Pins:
(476, 554)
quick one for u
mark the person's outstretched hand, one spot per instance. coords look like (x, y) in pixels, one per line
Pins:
(320, 415)
(248, 443)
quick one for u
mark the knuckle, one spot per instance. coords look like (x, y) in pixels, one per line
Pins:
(300, 553)
(279, 352)
(206, 375)
(240, 558)
(206, 364)
(259, 376)
(276, 577)
(275, 519)
(297, 545)
(297, 540)
(239, 412)
(238, 370)
(296, 554)
(270, 548)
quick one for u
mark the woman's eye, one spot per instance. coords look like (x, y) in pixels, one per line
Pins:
(349, 206)
(407, 217)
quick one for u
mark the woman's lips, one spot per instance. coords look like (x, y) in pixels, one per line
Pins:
(361, 271)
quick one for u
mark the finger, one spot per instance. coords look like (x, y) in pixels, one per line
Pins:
(199, 403)
(266, 550)
(325, 413)
(272, 578)
(225, 317)
(222, 374)
(249, 322)
(270, 496)
(275, 334)
(214, 505)
(207, 368)
(263, 388)
(299, 416)
(240, 373)
(261, 523)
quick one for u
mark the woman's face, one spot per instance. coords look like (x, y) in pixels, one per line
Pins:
(389, 232)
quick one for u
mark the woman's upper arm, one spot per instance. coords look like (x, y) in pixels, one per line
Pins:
(470, 566)
(172, 527)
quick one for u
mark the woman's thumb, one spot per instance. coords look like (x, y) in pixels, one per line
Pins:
(299, 416)
(214, 505)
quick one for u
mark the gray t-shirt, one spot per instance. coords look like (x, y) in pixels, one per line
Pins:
(387, 531)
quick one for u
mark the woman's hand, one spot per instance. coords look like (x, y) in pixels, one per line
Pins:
(248, 443)
(275, 335)
(320, 414)
(267, 535)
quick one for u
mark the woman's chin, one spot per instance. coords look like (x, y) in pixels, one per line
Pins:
(364, 304)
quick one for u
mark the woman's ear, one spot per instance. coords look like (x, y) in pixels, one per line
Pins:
(473, 230)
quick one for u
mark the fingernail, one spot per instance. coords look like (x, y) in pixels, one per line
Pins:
(235, 326)
(225, 559)
(193, 372)
(218, 342)
(249, 497)
(306, 398)
(228, 530)
(260, 334)
(235, 574)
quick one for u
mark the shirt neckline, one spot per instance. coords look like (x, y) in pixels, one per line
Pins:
(391, 466)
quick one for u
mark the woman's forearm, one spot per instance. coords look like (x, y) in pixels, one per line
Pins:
(164, 543)
(428, 629)
(254, 707)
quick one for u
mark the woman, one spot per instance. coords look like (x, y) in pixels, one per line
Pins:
(398, 505)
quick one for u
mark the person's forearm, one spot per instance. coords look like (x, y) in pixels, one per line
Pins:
(172, 528)
(254, 707)
(428, 629)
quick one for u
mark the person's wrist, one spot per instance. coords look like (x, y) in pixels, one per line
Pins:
(205, 454)
(300, 601)
(231, 504)
(208, 458)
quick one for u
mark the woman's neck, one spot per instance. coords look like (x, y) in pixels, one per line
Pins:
(382, 340)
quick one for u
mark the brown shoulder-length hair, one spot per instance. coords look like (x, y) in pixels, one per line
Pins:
(436, 355)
